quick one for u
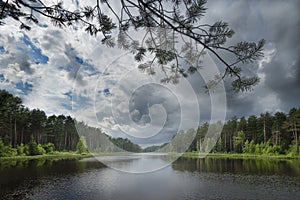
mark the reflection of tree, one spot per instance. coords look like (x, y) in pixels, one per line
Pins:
(238, 166)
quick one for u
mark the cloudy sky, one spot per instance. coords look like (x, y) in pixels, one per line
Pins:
(65, 71)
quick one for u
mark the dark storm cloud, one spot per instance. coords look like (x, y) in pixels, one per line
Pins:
(286, 83)
(140, 104)
(278, 22)
(240, 106)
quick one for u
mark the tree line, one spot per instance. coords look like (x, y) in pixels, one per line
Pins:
(264, 134)
(32, 132)
(19, 125)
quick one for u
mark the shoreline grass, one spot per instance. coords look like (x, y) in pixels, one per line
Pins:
(74, 155)
(56, 156)
(61, 156)
(238, 156)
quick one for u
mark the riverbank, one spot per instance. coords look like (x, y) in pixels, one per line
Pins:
(60, 156)
(238, 156)
(73, 155)
(55, 156)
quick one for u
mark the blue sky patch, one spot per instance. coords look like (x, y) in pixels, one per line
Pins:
(79, 60)
(24, 87)
(2, 50)
(69, 95)
(106, 92)
(36, 53)
(2, 78)
(86, 65)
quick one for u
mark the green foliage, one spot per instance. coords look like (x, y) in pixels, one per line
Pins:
(125, 144)
(259, 148)
(7, 151)
(249, 147)
(1, 146)
(209, 144)
(49, 147)
(239, 141)
(292, 150)
(81, 147)
(41, 150)
(262, 148)
(18, 123)
(22, 150)
(32, 147)
(151, 149)
(266, 134)
(26, 149)
(35, 149)
(246, 147)
(54, 133)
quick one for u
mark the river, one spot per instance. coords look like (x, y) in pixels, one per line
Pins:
(186, 178)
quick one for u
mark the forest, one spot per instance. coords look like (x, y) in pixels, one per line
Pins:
(271, 134)
(32, 132)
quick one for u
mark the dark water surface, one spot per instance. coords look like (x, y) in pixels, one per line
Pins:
(209, 178)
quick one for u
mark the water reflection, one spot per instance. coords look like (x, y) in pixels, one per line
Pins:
(23, 175)
(209, 178)
(239, 166)
(137, 163)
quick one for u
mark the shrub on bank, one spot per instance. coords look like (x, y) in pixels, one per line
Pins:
(49, 147)
(6, 151)
(23, 150)
(35, 149)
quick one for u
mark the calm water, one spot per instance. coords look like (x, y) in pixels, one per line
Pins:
(208, 178)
